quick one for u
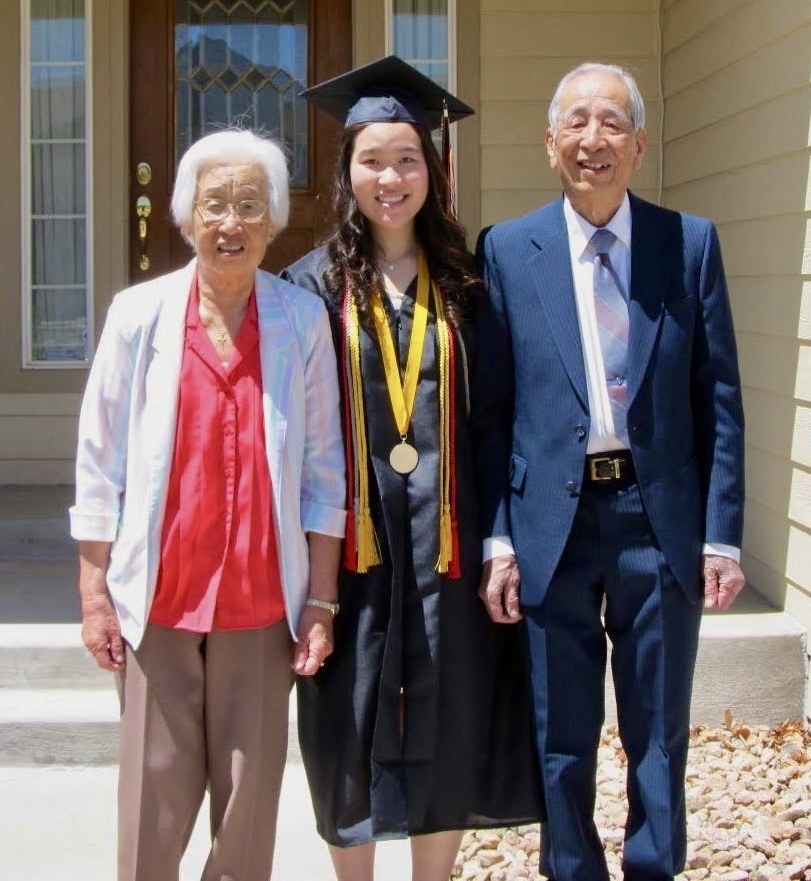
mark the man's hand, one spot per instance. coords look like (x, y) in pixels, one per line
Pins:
(723, 580)
(315, 643)
(500, 589)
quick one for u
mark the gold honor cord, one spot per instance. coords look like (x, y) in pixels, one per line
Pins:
(404, 457)
(367, 547)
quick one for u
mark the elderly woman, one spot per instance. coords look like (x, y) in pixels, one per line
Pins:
(209, 513)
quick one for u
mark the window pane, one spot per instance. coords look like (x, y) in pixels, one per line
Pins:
(421, 36)
(58, 252)
(57, 101)
(243, 63)
(60, 325)
(57, 30)
(57, 179)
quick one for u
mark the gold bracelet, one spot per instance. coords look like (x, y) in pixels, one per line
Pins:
(323, 604)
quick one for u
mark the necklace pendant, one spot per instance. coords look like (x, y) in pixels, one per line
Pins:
(404, 457)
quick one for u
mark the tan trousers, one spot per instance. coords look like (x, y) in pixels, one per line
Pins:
(198, 711)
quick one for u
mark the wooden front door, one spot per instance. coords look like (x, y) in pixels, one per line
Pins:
(198, 66)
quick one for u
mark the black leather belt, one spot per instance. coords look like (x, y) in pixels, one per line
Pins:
(613, 469)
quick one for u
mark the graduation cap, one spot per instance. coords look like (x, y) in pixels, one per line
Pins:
(391, 90)
(386, 90)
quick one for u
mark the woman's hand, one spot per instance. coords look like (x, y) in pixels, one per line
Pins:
(315, 643)
(100, 631)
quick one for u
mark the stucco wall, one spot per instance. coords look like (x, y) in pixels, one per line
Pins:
(526, 46)
(737, 112)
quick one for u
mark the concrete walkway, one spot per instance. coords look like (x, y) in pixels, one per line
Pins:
(58, 824)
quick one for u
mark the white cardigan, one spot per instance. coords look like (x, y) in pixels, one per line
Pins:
(127, 432)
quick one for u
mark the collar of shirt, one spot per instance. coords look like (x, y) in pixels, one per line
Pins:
(580, 230)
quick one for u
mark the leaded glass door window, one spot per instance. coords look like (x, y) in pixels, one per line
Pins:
(243, 63)
(198, 66)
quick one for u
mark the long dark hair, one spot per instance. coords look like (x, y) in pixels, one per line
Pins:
(442, 238)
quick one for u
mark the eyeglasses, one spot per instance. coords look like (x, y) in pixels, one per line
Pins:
(216, 210)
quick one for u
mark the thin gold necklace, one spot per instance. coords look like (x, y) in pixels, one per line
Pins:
(390, 266)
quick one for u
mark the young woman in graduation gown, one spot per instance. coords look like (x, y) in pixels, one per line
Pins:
(418, 724)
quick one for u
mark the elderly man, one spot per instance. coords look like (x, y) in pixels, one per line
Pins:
(610, 444)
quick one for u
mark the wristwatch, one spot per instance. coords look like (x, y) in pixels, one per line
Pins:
(323, 604)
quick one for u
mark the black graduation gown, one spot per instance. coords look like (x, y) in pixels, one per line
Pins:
(455, 751)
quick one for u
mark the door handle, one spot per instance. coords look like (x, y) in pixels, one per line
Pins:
(143, 208)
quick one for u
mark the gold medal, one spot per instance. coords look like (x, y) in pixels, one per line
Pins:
(403, 457)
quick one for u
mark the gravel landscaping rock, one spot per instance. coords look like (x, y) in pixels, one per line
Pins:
(748, 811)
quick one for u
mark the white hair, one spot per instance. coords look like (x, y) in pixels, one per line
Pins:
(634, 95)
(231, 147)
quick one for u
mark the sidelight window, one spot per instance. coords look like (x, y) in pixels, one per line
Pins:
(56, 183)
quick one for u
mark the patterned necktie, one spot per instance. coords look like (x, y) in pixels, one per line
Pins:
(611, 309)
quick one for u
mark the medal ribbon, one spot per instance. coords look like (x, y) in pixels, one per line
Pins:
(402, 394)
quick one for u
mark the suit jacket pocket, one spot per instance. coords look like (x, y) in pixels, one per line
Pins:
(517, 473)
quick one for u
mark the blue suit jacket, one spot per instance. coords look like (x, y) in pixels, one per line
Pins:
(531, 416)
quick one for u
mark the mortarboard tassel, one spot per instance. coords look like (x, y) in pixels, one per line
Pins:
(447, 161)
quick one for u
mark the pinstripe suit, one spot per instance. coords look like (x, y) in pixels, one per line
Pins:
(639, 549)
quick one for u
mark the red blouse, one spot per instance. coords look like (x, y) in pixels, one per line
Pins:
(219, 566)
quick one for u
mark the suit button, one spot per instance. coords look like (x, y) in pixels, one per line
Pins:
(571, 486)
(580, 431)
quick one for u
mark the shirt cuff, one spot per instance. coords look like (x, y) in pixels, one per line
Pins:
(497, 546)
(715, 549)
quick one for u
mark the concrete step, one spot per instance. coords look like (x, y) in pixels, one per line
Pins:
(34, 523)
(58, 727)
(56, 705)
(751, 663)
(39, 592)
(74, 727)
(47, 656)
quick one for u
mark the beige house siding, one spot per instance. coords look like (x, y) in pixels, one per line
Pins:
(736, 149)
(526, 46)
